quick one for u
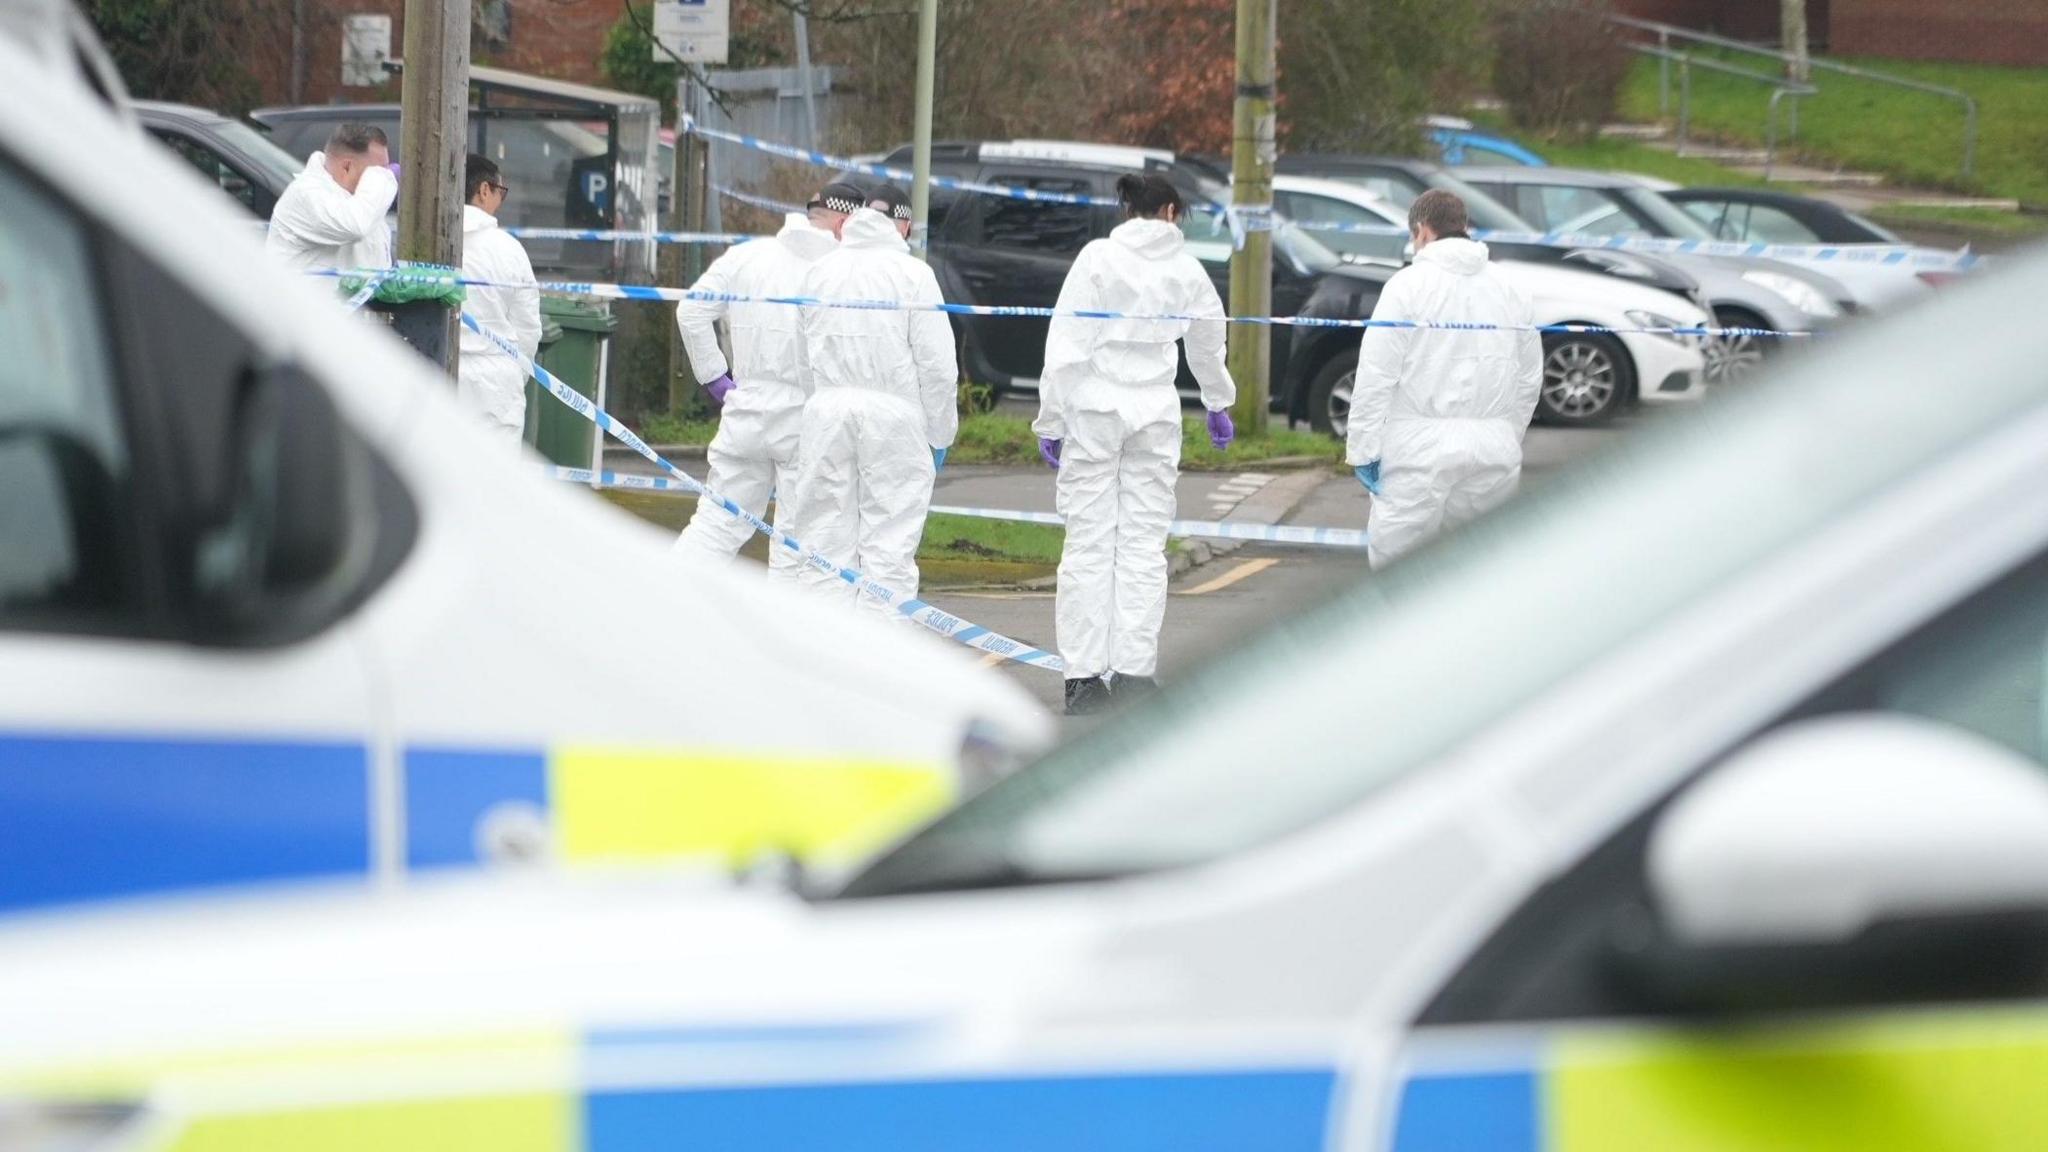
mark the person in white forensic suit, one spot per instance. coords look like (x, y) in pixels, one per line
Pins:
(490, 382)
(332, 215)
(883, 387)
(1438, 416)
(1109, 420)
(760, 391)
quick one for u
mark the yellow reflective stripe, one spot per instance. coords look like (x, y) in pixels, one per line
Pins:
(244, 1077)
(1942, 1082)
(632, 806)
(540, 1122)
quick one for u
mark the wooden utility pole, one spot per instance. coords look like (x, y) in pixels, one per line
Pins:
(1792, 27)
(1253, 152)
(921, 128)
(435, 90)
(691, 193)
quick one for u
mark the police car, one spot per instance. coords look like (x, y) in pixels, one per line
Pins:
(271, 609)
(1753, 856)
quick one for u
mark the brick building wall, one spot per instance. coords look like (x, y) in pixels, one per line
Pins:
(1741, 19)
(2010, 32)
(561, 39)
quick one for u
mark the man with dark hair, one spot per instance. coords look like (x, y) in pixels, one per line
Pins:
(506, 302)
(332, 215)
(1437, 415)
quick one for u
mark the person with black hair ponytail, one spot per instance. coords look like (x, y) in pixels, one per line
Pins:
(1109, 421)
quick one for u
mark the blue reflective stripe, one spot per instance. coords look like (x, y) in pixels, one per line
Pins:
(448, 792)
(90, 818)
(1491, 1111)
(1280, 1110)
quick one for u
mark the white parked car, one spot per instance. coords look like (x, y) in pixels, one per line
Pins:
(271, 608)
(1699, 802)
(1588, 377)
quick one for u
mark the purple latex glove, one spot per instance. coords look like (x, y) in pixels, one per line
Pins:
(721, 388)
(1049, 450)
(395, 167)
(1221, 430)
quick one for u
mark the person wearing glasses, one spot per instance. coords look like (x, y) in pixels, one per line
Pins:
(491, 383)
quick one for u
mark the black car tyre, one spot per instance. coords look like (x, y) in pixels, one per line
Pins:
(1329, 394)
(1587, 378)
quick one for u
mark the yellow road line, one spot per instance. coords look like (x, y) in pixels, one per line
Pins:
(1244, 570)
(990, 660)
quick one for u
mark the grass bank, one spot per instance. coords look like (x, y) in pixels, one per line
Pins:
(1912, 137)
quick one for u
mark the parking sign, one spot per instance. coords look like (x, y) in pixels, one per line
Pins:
(697, 31)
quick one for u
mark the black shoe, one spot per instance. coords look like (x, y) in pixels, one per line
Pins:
(1086, 696)
(1132, 687)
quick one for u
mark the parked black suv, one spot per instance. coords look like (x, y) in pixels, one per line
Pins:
(997, 251)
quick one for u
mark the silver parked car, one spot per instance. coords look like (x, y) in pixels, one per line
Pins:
(1741, 292)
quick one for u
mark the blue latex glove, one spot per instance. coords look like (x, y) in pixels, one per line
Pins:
(1221, 431)
(720, 388)
(1049, 451)
(1369, 475)
(938, 459)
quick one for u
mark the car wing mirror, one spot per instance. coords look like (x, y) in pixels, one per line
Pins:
(290, 534)
(1850, 860)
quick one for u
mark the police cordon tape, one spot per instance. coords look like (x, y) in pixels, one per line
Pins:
(674, 295)
(363, 294)
(917, 611)
(1258, 218)
(753, 201)
(1205, 529)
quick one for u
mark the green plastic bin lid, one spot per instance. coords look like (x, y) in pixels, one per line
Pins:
(578, 315)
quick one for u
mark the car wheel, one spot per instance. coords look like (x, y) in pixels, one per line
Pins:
(1329, 395)
(1734, 359)
(1587, 377)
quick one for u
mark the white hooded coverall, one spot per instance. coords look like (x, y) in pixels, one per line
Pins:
(754, 453)
(1444, 411)
(491, 383)
(1108, 392)
(883, 386)
(319, 224)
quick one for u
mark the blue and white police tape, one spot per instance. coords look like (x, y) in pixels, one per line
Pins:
(847, 164)
(363, 294)
(1205, 529)
(611, 234)
(1888, 255)
(917, 611)
(672, 295)
(761, 202)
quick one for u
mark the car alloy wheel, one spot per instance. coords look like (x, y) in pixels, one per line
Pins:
(1733, 359)
(1338, 407)
(1581, 382)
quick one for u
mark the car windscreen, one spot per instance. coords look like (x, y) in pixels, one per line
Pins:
(260, 149)
(1668, 218)
(1314, 717)
(1483, 210)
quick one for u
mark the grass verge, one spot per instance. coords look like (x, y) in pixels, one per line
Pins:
(1965, 221)
(999, 438)
(956, 550)
(671, 429)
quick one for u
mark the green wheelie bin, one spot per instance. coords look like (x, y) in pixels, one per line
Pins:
(573, 345)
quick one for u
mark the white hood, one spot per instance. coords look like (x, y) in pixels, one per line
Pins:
(1152, 239)
(475, 220)
(803, 241)
(867, 228)
(1457, 256)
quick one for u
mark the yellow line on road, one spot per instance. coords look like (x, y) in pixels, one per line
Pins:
(1243, 571)
(990, 660)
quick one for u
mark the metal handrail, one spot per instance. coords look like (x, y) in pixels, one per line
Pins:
(1686, 63)
(1665, 32)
